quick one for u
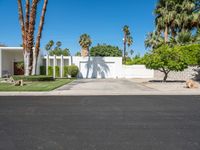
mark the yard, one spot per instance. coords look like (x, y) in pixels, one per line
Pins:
(35, 86)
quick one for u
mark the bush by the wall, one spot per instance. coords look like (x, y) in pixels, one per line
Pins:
(50, 71)
(57, 70)
(66, 72)
(73, 71)
(42, 70)
(34, 78)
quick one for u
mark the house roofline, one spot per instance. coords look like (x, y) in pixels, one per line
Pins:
(11, 48)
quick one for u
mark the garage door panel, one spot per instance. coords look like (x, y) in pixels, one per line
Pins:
(97, 70)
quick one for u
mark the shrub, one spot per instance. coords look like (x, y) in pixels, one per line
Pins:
(50, 71)
(73, 71)
(137, 60)
(57, 71)
(66, 72)
(34, 78)
(42, 70)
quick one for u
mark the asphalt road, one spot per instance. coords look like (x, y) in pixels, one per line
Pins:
(100, 123)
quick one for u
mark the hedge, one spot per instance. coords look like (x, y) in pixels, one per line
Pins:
(42, 70)
(66, 72)
(34, 78)
(57, 71)
(50, 71)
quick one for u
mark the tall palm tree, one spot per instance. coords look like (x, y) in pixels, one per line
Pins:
(127, 33)
(165, 15)
(39, 36)
(28, 30)
(85, 42)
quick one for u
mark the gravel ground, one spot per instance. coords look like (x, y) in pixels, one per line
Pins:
(169, 86)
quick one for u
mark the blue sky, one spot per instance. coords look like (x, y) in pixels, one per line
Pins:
(66, 20)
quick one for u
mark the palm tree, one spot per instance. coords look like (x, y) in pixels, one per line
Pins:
(130, 42)
(39, 36)
(154, 40)
(28, 30)
(85, 42)
(176, 16)
(165, 16)
(127, 33)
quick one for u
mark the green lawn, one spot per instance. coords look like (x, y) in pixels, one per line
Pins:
(35, 86)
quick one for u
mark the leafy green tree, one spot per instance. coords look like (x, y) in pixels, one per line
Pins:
(105, 51)
(166, 59)
(85, 42)
(191, 53)
(57, 50)
(136, 60)
(78, 54)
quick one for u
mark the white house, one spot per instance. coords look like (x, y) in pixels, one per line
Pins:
(8, 57)
(90, 67)
(99, 67)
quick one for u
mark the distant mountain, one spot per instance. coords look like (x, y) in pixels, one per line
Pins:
(2, 45)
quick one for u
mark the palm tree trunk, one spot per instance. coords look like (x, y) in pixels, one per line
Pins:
(30, 36)
(27, 21)
(125, 47)
(26, 63)
(37, 46)
(173, 32)
(166, 34)
(84, 52)
(21, 19)
(34, 64)
(24, 38)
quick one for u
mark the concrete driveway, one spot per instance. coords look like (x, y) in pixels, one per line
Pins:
(104, 87)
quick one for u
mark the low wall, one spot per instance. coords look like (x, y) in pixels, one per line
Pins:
(98, 67)
(137, 71)
(192, 72)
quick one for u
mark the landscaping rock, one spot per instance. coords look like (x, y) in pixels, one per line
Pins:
(19, 83)
(191, 84)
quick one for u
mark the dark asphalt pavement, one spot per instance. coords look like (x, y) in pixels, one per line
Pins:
(100, 123)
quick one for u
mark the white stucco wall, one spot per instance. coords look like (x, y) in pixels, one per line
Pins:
(98, 67)
(137, 71)
(101, 67)
(8, 56)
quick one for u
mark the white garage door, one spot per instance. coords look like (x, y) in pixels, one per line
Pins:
(97, 70)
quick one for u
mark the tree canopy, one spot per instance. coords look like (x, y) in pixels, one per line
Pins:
(166, 59)
(177, 22)
(56, 50)
(105, 51)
